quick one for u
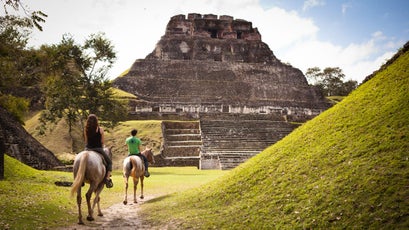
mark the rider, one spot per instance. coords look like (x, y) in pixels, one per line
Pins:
(134, 148)
(94, 140)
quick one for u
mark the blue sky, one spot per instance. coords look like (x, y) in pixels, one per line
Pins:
(351, 21)
(356, 35)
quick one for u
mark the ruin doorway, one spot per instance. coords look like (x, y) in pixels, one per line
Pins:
(226, 109)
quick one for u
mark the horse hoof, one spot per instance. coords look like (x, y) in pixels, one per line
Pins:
(81, 223)
(141, 197)
(100, 214)
(135, 202)
(90, 218)
(125, 202)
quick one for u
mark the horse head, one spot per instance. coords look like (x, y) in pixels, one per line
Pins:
(149, 155)
(109, 151)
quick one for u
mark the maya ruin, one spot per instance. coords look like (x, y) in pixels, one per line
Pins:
(217, 75)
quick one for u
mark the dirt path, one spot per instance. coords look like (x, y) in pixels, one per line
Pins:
(118, 216)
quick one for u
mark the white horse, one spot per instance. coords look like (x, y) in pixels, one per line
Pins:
(133, 166)
(89, 168)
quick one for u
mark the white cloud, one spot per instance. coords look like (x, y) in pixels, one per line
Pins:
(312, 3)
(135, 27)
(345, 7)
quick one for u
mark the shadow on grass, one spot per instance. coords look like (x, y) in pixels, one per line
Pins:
(158, 199)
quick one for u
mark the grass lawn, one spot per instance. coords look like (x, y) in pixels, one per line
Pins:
(29, 198)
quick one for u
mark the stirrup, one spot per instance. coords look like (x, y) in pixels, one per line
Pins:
(109, 183)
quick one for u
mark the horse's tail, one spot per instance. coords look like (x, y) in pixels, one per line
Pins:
(134, 166)
(79, 177)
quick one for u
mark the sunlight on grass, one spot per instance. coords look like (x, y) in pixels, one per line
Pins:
(32, 198)
(346, 168)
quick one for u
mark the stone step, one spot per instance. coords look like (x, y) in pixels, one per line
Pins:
(180, 151)
(178, 161)
(181, 131)
(233, 153)
(181, 125)
(196, 143)
(183, 137)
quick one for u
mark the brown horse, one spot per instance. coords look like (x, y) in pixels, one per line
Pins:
(133, 166)
(89, 168)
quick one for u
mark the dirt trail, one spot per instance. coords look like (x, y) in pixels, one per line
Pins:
(118, 216)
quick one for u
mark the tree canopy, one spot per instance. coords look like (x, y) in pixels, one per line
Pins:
(68, 79)
(330, 81)
(78, 84)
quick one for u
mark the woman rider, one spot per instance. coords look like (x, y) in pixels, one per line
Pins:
(94, 139)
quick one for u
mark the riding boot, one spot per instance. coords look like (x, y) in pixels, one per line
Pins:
(147, 174)
(108, 181)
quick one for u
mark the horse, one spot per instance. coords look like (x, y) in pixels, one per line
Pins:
(89, 168)
(133, 166)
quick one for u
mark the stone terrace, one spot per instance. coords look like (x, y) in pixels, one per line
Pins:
(181, 144)
(219, 141)
(230, 139)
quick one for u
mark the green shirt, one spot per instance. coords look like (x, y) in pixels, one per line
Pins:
(133, 144)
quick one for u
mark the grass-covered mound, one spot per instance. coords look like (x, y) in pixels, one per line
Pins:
(29, 199)
(347, 168)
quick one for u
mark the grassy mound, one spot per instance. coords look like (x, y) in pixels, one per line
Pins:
(30, 199)
(347, 168)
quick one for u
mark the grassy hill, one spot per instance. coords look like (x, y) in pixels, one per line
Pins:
(64, 146)
(347, 168)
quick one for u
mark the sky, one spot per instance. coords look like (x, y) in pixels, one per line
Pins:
(357, 36)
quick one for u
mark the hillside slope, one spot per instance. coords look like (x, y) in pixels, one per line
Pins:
(347, 168)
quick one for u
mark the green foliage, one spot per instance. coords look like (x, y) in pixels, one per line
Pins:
(78, 85)
(347, 168)
(16, 106)
(330, 81)
(34, 18)
(14, 33)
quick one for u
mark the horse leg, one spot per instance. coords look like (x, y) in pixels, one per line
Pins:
(98, 198)
(126, 190)
(135, 185)
(79, 200)
(142, 177)
(88, 197)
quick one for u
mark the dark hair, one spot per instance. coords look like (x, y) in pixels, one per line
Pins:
(91, 126)
(134, 132)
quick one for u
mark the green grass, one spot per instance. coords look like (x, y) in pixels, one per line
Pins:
(347, 168)
(29, 199)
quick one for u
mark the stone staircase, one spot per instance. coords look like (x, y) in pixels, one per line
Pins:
(219, 141)
(181, 144)
(231, 139)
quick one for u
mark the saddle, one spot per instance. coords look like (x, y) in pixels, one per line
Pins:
(139, 155)
(104, 162)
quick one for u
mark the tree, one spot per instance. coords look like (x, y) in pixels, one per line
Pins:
(15, 64)
(34, 18)
(330, 81)
(78, 85)
(14, 33)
